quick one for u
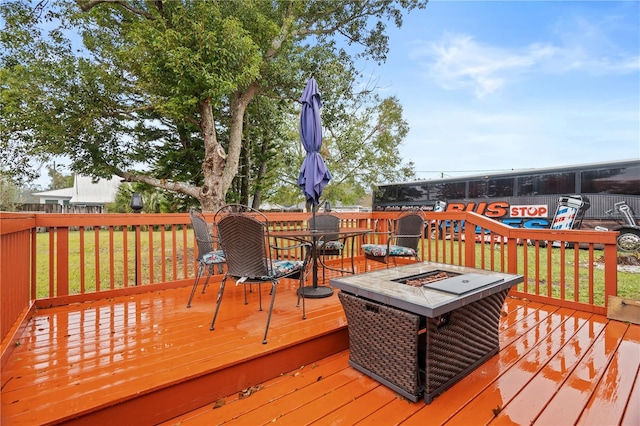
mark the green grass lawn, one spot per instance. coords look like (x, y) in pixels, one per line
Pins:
(628, 286)
(115, 272)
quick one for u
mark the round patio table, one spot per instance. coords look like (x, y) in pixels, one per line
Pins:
(316, 291)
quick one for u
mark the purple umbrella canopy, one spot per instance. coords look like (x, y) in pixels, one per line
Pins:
(314, 175)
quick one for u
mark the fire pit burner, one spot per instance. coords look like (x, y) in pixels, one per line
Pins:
(420, 280)
(447, 281)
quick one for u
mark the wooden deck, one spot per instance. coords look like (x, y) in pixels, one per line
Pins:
(146, 359)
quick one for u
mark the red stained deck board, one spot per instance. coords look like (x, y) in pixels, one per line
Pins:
(632, 412)
(611, 396)
(117, 353)
(552, 338)
(577, 331)
(530, 331)
(233, 406)
(316, 409)
(568, 403)
(281, 406)
(359, 408)
(159, 352)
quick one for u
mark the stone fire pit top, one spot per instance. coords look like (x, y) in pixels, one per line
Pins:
(388, 286)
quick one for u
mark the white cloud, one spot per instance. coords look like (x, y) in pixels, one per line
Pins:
(459, 61)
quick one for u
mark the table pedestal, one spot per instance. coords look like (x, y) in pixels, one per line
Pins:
(317, 291)
(311, 292)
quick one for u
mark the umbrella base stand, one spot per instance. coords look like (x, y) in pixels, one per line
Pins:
(311, 292)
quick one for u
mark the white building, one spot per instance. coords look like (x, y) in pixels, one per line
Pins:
(84, 194)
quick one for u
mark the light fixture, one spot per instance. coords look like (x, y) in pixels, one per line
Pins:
(136, 202)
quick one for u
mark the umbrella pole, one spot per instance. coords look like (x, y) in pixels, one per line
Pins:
(314, 291)
(315, 247)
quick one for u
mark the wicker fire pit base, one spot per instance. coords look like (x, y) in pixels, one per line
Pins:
(418, 356)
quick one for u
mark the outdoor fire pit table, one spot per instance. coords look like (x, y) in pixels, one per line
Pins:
(420, 328)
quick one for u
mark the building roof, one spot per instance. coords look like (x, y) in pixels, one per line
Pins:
(56, 193)
(86, 192)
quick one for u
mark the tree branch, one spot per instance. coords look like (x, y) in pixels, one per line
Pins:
(86, 5)
(181, 187)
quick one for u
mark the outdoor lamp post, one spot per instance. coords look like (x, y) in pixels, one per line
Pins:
(136, 205)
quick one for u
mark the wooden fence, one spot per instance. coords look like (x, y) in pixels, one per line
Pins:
(82, 257)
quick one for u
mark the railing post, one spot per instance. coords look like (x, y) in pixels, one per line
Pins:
(469, 244)
(610, 272)
(62, 261)
(137, 260)
(512, 254)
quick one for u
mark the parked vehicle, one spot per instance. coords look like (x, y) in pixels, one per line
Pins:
(629, 238)
(523, 198)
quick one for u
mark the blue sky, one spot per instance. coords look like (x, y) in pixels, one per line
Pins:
(500, 85)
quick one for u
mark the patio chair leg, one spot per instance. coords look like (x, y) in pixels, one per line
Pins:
(204, 287)
(300, 287)
(195, 285)
(220, 293)
(353, 265)
(273, 298)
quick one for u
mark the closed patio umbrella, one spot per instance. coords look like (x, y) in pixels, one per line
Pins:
(314, 175)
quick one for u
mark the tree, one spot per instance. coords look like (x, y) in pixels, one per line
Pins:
(8, 195)
(168, 83)
(59, 180)
(360, 149)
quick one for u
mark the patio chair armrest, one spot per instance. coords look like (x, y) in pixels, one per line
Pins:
(368, 234)
(295, 246)
(406, 236)
(379, 233)
(305, 245)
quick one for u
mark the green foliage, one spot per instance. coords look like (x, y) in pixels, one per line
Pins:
(8, 195)
(360, 148)
(154, 200)
(58, 180)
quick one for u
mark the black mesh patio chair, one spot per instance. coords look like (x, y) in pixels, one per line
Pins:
(210, 255)
(251, 258)
(402, 240)
(332, 244)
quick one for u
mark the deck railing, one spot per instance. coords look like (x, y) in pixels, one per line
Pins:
(54, 259)
(576, 269)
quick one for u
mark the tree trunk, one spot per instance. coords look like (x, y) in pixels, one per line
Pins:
(212, 192)
(219, 168)
(262, 171)
(245, 173)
